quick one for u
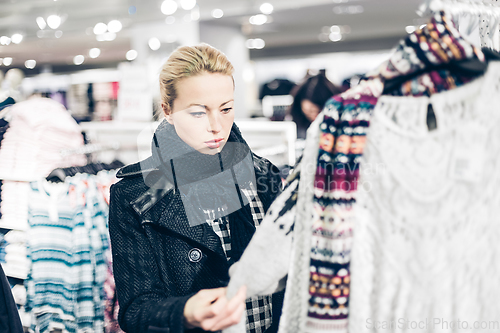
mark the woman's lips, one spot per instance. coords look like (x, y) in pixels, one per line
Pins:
(213, 143)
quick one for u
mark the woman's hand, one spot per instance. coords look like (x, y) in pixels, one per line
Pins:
(210, 310)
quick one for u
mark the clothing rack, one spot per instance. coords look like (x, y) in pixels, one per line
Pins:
(457, 7)
(91, 148)
(477, 19)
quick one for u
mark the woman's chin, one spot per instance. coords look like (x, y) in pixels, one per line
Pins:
(209, 150)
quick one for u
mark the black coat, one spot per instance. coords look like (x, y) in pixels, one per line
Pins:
(9, 316)
(156, 259)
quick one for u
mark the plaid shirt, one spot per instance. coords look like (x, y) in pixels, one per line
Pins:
(258, 309)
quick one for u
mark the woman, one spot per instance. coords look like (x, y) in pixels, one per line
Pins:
(309, 99)
(170, 267)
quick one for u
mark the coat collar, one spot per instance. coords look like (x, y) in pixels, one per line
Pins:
(169, 212)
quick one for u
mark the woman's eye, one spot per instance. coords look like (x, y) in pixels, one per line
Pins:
(197, 114)
(227, 110)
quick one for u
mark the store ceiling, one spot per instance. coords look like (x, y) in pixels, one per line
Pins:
(294, 28)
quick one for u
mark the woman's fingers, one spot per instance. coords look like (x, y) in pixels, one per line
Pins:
(204, 304)
(232, 319)
(211, 310)
(231, 315)
(214, 308)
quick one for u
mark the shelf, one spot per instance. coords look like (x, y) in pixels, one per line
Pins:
(12, 225)
(17, 178)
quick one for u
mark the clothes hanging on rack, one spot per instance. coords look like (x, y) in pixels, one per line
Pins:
(478, 19)
(276, 87)
(424, 243)
(38, 130)
(6, 103)
(16, 262)
(67, 243)
(59, 174)
(318, 285)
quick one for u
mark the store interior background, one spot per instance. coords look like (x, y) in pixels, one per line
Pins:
(265, 40)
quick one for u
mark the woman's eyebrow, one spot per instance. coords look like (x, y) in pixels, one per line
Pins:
(194, 104)
(231, 100)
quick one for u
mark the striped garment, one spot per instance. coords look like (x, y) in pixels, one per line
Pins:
(67, 240)
(258, 308)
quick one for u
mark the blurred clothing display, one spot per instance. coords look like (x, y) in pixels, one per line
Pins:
(276, 87)
(39, 130)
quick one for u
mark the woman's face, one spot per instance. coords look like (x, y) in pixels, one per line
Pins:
(202, 113)
(309, 109)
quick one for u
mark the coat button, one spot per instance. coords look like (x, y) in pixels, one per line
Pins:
(194, 255)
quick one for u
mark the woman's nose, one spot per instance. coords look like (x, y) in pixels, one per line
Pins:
(215, 125)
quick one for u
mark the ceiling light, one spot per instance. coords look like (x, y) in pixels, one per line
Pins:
(132, 10)
(54, 21)
(30, 64)
(170, 20)
(410, 28)
(217, 13)
(100, 28)
(154, 43)
(41, 22)
(114, 26)
(348, 9)
(7, 61)
(257, 43)
(188, 4)
(266, 8)
(335, 29)
(58, 34)
(17, 38)
(94, 52)
(78, 60)
(335, 37)
(4, 40)
(258, 19)
(168, 7)
(131, 55)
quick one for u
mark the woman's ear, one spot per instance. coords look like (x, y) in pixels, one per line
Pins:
(167, 112)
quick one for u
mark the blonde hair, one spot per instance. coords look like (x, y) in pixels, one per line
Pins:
(187, 61)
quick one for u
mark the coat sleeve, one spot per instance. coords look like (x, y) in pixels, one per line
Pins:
(145, 303)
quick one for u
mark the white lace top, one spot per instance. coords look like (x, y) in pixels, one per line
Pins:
(425, 254)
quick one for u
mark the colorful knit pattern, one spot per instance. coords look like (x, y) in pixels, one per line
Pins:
(342, 139)
(341, 144)
(432, 83)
